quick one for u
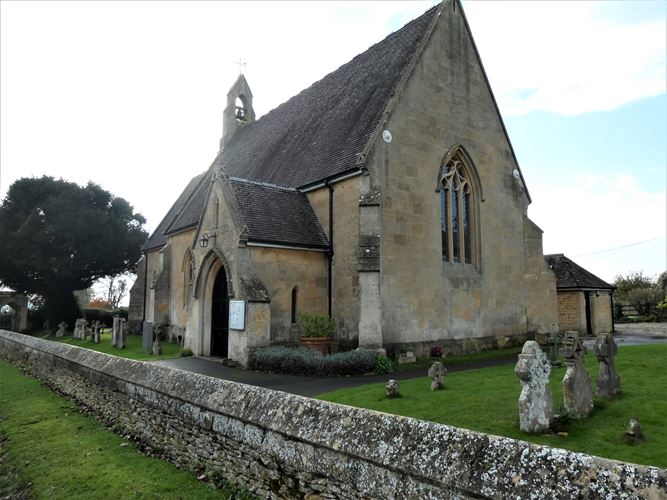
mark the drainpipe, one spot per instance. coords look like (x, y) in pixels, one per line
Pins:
(330, 252)
(143, 319)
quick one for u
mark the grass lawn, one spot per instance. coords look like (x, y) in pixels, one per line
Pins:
(48, 449)
(487, 400)
(132, 347)
(457, 360)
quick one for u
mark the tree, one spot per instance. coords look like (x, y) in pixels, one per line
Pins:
(631, 281)
(57, 237)
(116, 288)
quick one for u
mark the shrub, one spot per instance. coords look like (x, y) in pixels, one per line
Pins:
(644, 299)
(302, 361)
(349, 363)
(102, 315)
(436, 351)
(383, 365)
(186, 353)
(316, 325)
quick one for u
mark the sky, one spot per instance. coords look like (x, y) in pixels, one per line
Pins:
(130, 96)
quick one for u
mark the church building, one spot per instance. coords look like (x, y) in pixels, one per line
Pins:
(386, 195)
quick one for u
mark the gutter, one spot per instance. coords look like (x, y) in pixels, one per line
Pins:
(331, 180)
(270, 244)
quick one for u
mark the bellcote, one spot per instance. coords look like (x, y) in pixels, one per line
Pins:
(238, 111)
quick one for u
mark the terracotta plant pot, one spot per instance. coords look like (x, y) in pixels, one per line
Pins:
(320, 344)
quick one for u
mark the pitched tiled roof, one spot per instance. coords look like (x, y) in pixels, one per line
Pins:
(193, 209)
(319, 133)
(159, 238)
(278, 215)
(570, 275)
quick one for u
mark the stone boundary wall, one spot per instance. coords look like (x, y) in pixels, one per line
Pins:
(285, 446)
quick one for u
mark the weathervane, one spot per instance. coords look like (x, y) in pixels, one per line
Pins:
(241, 64)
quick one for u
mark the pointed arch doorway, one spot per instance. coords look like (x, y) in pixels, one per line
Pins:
(220, 315)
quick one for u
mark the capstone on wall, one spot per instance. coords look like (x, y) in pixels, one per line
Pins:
(445, 103)
(278, 445)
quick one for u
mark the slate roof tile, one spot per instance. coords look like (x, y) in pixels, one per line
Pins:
(319, 132)
(159, 238)
(570, 275)
(276, 214)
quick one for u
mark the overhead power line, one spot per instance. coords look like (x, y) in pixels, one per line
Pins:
(618, 248)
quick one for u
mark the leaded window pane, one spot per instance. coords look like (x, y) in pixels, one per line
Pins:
(466, 227)
(443, 223)
(454, 220)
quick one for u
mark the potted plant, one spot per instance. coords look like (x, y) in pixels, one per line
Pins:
(316, 331)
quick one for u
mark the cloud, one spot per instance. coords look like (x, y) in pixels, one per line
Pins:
(567, 57)
(589, 217)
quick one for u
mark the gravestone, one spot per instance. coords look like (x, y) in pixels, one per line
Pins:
(120, 338)
(114, 331)
(157, 348)
(61, 329)
(633, 432)
(79, 329)
(392, 389)
(577, 391)
(85, 330)
(437, 372)
(608, 382)
(96, 332)
(536, 411)
(147, 336)
(553, 349)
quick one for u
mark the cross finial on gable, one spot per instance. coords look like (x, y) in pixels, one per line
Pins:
(241, 64)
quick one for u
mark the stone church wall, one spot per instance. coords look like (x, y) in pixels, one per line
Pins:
(283, 446)
(281, 270)
(447, 102)
(180, 243)
(345, 293)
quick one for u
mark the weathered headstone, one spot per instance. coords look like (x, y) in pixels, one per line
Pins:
(147, 336)
(114, 331)
(553, 349)
(608, 382)
(392, 389)
(633, 432)
(536, 411)
(79, 329)
(62, 326)
(96, 332)
(157, 348)
(120, 339)
(85, 331)
(437, 372)
(577, 391)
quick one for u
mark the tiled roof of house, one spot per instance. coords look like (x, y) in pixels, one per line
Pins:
(278, 215)
(320, 132)
(570, 275)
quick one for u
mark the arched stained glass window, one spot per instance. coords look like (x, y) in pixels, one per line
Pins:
(456, 213)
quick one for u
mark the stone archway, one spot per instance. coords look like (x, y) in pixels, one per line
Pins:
(207, 296)
(19, 303)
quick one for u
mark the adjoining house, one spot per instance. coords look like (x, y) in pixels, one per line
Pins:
(386, 195)
(584, 300)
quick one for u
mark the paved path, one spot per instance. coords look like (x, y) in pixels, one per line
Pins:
(312, 386)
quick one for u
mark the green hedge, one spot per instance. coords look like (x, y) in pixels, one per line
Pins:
(302, 361)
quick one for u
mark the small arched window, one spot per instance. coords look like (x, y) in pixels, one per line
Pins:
(295, 292)
(240, 112)
(457, 217)
(188, 278)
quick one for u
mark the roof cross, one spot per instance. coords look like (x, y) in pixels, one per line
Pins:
(241, 64)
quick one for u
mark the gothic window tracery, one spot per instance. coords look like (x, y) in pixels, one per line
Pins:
(456, 213)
